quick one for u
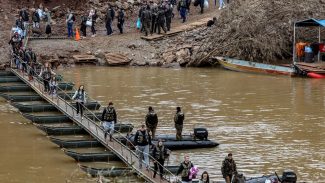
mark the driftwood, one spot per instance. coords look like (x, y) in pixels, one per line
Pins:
(258, 30)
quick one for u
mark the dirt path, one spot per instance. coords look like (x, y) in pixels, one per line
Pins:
(129, 43)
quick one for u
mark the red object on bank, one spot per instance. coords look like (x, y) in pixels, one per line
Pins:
(315, 75)
(322, 47)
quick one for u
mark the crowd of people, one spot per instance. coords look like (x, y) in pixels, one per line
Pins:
(152, 18)
(159, 154)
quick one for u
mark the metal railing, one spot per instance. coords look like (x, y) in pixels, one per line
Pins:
(90, 125)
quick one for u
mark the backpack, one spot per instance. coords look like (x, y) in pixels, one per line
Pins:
(73, 18)
(143, 138)
(35, 17)
(24, 15)
(152, 118)
(183, 3)
(109, 116)
(179, 118)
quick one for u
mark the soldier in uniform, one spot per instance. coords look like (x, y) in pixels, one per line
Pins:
(169, 15)
(146, 19)
(109, 118)
(154, 18)
(228, 168)
(161, 19)
(151, 121)
(179, 119)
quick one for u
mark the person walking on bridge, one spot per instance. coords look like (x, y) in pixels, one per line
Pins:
(184, 169)
(46, 74)
(159, 153)
(109, 118)
(179, 119)
(142, 142)
(151, 121)
(80, 98)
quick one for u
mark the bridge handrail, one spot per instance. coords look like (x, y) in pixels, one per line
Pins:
(94, 118)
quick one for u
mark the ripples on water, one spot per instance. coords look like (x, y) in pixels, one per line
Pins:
(269, 123)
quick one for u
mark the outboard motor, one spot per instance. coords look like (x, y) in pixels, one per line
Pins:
(201, 133)
(289, 176)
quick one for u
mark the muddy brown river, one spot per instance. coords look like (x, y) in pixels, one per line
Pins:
(269, 123)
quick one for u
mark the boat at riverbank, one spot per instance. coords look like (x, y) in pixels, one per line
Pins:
(92, 156)
(43, 106)
(69, 129)
(254, 67)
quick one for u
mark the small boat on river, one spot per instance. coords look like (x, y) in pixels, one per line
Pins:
(254, 67)
(43, 106)
(70, 129)
(110, 172)
(199, 139)
(92, 156)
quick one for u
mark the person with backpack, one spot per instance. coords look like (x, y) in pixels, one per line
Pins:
(47, 19)
(182, 7)
(120, 20)
(142, 140)
(25, 17)
(70, 18)
(80, 98)
(109, 119)
(159, 153)
(179, 119)
(53, 86)
(184, 170)
(151, 121)
(83, 26)
(46, 75)
(146, 20)
(36, 19)
(109, 19)
(93, 17)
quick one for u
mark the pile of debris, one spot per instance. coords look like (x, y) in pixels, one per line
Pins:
(254, 30)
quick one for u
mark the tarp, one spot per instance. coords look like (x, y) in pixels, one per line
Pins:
(311, 23)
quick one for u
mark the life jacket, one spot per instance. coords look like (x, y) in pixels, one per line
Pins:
(46, 74)
(143, 138)
(109, 115)
(160, 152)
(152, 118)
(183, 3)
(80, 95)
(186, 169)
(179, 118)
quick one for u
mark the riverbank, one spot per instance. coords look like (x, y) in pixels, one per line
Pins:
(139, 51)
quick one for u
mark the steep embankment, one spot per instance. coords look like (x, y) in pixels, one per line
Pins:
(255, 30)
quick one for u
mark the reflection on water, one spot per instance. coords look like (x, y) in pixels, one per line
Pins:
(268, 123)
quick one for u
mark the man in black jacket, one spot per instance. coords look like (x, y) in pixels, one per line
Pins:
(142, 140)
(109, 118)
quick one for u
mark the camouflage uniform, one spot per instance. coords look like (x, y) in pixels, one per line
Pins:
(179, 119)
(228, 169)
